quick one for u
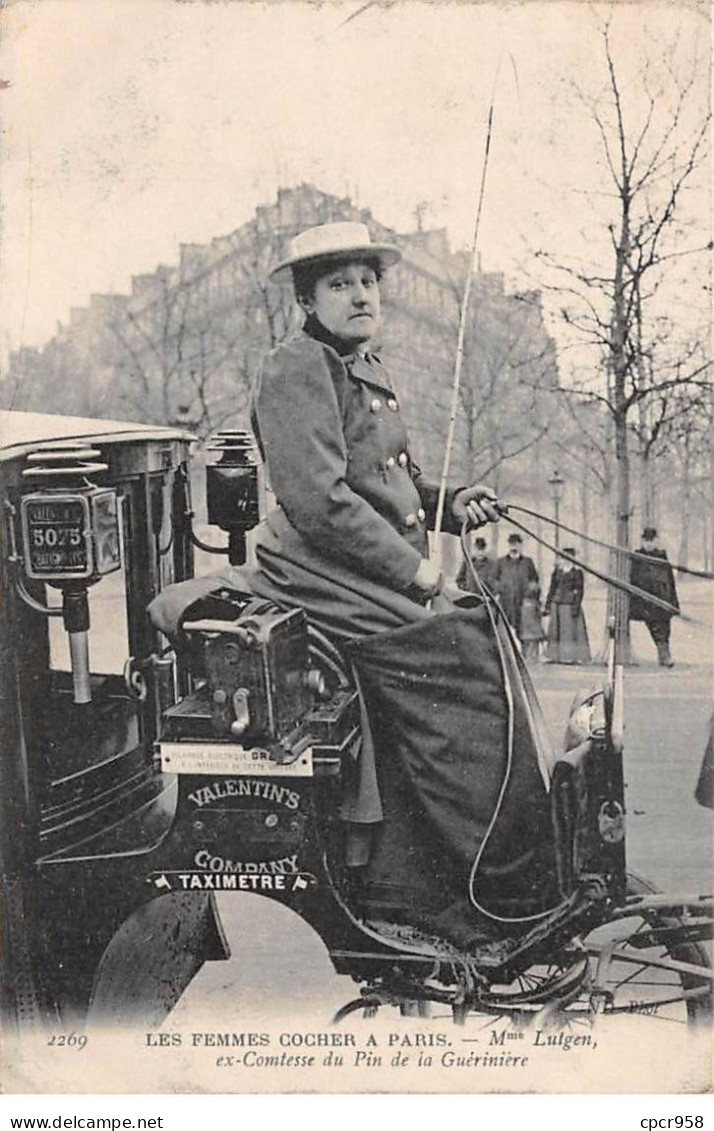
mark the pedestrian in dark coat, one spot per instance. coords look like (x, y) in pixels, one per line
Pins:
(484, 565)
(653, 574)
(513, 574)
(347, 542)
(567, 632)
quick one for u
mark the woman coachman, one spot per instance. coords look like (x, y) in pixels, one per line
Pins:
(450, 782)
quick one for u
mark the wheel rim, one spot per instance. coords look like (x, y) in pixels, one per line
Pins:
(655, 981)
(668, 981)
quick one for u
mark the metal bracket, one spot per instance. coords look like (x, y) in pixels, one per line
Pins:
(15, 561)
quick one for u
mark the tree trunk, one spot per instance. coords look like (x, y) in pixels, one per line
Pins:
(647, 492)
(585, 514)
(647, 489)
(621, 601)
(618, 601)
(685, 512)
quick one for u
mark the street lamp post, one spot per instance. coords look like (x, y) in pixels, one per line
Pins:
(556, 484)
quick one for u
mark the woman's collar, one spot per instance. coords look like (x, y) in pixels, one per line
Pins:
(346, 350)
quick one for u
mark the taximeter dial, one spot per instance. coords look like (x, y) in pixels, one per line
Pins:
(56, 535)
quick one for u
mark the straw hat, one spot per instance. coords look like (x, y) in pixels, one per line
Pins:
(343, 240)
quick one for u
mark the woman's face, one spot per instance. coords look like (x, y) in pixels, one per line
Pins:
(346, 302)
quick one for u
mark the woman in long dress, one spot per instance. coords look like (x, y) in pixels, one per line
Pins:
(567, 632)
(348, 543)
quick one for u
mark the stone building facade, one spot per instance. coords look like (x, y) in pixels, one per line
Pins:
(185, 344)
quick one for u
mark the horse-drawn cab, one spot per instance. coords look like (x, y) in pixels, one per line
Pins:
(138, 780)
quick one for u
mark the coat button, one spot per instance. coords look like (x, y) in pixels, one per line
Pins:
(410, 520)
(375, 405)
(389, 463)
(421, 514)
(403, 459)
(392, 404)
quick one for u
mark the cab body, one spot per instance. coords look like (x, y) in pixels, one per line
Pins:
(94, 513)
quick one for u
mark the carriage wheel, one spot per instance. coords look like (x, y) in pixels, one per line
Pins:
(613, 973)
(659, 980)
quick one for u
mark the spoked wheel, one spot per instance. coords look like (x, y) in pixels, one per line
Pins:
(537, 987)
(647, 964)
(653, 963)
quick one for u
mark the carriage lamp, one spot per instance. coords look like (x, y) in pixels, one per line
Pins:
(233, 488)
(70, 540)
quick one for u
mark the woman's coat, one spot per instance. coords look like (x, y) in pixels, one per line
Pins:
(349, 494)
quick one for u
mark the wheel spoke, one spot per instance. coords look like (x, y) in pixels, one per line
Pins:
(672, 964)
(651, 1016)
(625, 981)
(663, 985)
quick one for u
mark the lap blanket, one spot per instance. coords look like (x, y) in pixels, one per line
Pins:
(460, 766)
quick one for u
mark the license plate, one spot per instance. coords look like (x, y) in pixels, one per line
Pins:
(225, 758)
(56, 537)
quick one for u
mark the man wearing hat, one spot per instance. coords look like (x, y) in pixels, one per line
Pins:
(514, 572)
(652, 573)
(484, 565)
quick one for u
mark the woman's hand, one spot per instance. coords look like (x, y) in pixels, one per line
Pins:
(478, 504)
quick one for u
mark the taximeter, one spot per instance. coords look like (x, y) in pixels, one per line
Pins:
(70, 540)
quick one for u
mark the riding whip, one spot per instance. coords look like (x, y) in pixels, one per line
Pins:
(462, 332)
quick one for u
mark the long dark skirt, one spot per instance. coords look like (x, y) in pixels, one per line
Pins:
(567, 637)
(459, 774)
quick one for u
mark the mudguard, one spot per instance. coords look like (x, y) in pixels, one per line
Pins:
(152, 958)
(588, 818)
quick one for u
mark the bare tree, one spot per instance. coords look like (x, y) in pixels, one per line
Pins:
(504, 416)
(188, 354)
(150, 337)
(653, 144)
(508, 358)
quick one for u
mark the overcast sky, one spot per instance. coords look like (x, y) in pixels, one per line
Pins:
(131, 126)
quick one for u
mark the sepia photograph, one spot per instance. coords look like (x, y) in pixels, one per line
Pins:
(356, 547)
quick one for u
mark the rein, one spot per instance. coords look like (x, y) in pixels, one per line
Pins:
(498, 618)
(706, 574)
(615, 582)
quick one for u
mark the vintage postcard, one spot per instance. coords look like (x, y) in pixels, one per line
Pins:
(356, 547)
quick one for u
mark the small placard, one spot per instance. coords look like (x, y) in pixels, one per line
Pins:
(225, 758)
(192, 880)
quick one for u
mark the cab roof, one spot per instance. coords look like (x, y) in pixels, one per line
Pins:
(22, 432)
